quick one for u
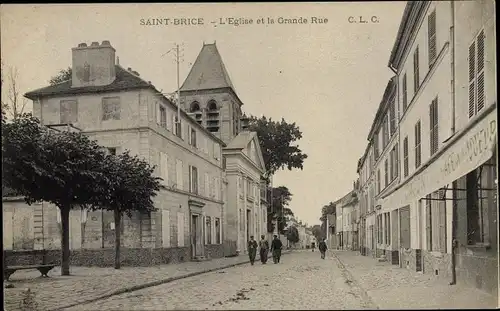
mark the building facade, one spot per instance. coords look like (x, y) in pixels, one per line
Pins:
(209, 96)
(439, 215)
(121, 111)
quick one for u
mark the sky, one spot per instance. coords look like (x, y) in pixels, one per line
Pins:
(328, 77)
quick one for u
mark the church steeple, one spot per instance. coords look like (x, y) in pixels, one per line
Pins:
(208, 94)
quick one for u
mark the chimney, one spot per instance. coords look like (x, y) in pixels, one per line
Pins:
(93, 65)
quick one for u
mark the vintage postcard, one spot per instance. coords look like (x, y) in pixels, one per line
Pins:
(283, 156)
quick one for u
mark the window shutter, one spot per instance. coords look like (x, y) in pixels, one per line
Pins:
(405, 94)
(432, 37)
(416, 77)
(436, 125)
(173, 124)
(480, 71)
(195, 179)
(188, 130)
(396, 160)
(190, 179)
(472, 59)
(431, 125)
(158, 114)
(428, 223)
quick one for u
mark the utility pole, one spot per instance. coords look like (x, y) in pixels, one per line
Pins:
(179, 58)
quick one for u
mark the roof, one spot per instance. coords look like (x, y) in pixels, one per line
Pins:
(124, 80)
(242, 140)
(383, 105)
(208, 71)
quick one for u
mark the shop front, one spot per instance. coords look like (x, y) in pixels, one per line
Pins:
(447, 210)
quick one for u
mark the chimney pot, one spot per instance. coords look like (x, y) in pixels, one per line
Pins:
(82, 45)
(95, 43)
(106, 42)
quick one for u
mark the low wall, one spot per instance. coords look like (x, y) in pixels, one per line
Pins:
(214, 251)
(479, 270)
(101, 257)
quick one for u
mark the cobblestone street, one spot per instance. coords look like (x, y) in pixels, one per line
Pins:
(301, 281)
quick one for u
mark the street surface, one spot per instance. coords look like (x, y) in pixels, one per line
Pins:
(302, 280)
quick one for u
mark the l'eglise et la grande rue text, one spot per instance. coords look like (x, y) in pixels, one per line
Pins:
(236, 21)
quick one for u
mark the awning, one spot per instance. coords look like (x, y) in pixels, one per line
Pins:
(464, 153)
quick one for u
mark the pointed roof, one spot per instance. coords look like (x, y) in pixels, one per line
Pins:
(208, 71)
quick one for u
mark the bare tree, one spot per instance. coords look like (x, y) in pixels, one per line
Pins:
(14, 103)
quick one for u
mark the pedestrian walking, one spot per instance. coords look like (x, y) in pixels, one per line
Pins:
(276, 246)
(264, 249)
(313, 246)
(322, 248)
(252, 249)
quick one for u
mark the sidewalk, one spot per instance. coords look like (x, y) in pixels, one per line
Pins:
(391, 287)
(88, 284)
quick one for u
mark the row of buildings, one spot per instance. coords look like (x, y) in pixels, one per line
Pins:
(428, 177)
(210, 163)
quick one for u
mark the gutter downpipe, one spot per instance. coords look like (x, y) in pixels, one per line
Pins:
(454, 184)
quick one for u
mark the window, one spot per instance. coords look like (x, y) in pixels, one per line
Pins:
(208, 230)
(379, 229)
(418, 149)
(392, 117)
(404, 227)
(178, 127)
(396, 160)
(385, 133)
(207, 185)
(68, 111)
(386, 175)
(405, 93)
(111, 108)
(416, 77)
(375, 145)
(193, 137)
(434, 128)
(481, 201)
(178, 171)
(431, 21)
(428, 222)
(193, 179)
(111, 151)
(388, 226)
(217, 231)
(249, 187)
(164, 167)
(163, 117)
(476, 75)
(405, 157)
(86, 72)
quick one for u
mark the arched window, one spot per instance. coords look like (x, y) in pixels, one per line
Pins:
(194, 106)
(212, 105)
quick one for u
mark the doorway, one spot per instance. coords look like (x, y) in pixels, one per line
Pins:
(194, 236)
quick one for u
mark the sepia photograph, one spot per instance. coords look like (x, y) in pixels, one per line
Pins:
(249, 156)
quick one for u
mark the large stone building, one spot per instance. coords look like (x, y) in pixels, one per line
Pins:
(120, 110)
(210, 97)
(439, 214)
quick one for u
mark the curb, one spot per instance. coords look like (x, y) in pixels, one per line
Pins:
(348, 276)
(154, 283)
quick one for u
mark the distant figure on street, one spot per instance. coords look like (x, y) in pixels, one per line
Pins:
(276, 246)
(252, 249)
(313, 246)
(322, 248)
(264, 249)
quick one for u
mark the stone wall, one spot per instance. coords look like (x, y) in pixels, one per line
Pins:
(101, 257)
(214, 251)
(478, 269)
(438, 264)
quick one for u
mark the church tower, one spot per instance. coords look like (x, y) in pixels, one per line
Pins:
(208, 95)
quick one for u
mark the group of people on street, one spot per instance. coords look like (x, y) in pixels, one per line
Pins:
(276, 246)
(263, 245)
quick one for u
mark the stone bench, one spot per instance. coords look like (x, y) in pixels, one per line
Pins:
(43, 269)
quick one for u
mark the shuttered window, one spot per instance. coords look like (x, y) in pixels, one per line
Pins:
(418, 147)
(405, 156)
(416, 69)
(379, 184)
(385, 133)
(434, 126)
(396, 160)
(476, 74)
(431, 21)
(405, 93)
(179, 175)
(193, 179)
(386, 168)
(164, 167)
(391, 164)
(392, 117)
(405, 233)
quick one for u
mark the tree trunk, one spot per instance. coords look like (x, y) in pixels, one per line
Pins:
(65, 240)
(118, 230)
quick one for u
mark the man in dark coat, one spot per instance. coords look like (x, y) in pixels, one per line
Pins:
(322, 248)
(264, 249)
(276, 246)
(252, 249)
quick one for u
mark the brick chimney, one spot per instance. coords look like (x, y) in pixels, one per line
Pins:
(93, 65)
